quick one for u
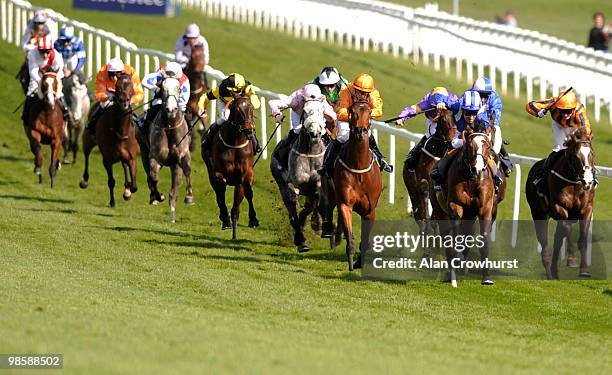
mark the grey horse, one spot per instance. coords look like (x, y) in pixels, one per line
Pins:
(301, 177)
(166, 143)
(77, 99)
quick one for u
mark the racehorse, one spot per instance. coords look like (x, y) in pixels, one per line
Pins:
(357, 181)
(305, 159)
(469, 195)
(167, 144)
(44, 124)
(77, 100)
(569, 197)
(199, 86)
(229, 161)
(418, 182)
(115, 135)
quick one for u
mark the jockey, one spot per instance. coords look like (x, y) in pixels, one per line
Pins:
(296, 102)
(471, 107)
(363, 83)
(39, 60)
(492, 106)
(330, 83)
(105, 88)
(430, 101)
(72, 50)
(191, 38)
(40, 25)
(233, 84)
(567, 114)
(153, 81)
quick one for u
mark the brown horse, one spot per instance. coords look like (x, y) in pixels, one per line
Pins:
(469, 195)
(569, 197)
(357, 182)
(44, 124)
(115, 135)
(418, 182)
(199, 86)
(229, 161)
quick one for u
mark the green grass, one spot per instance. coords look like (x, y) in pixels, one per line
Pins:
(122, 291)
(566, 19)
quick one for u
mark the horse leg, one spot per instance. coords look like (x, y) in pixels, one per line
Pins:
(290, 199)
(301, 222)
(485, 232)
(186, 166)
(176, 172)
(108, 165)
(88, 145)
(36, 150)
(248, 193)
(367, 223)
(127, 194)
(154, 168)
(55, 150)
(66, 145)
(238, 197)
(75, 143)
(347, 222)
(133, 168)
(585, 226)
(541, 228)
(562, 231)
(570, 251)
(219, 187)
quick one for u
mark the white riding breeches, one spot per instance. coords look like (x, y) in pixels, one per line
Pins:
(430, 127)
(343, 131)
(559, 134)
(497, 142)
(296, 124)
(222, 113)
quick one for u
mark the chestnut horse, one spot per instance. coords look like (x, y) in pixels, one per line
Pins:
(44, 124)
(229, 161)
(569, 197)
(469, 194)
(357, 182)
(115, 135)
(418, 183)
(199, 86)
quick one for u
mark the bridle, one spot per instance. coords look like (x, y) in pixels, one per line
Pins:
(467, 159)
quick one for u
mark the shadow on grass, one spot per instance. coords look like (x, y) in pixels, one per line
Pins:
(15, 158)
(251, 259)
(208, 244)
(608, 292)
(64, 211)
(37, 199)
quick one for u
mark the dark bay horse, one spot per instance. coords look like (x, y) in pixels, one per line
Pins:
(469, 195)
(199, 86)
(167, 144)
(44, 124)
(301, 178)
(569, 197)
(357, 182)
(115, 136)
(229, 161)
(418, 183)
(77, 100)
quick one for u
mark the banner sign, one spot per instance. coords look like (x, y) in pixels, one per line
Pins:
(159, 7)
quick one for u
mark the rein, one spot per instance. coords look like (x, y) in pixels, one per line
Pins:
(243, 145)
(358, 171)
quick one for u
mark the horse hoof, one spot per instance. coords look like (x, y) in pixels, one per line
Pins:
(303, 249)
(83, 184)
(112, 204)
(161, 197)
(253, 223)
(584, 274)
(487, 281)
(66, 161)
(572, 262)
(225, 226)
(40, 178)
(154, 202)
(327, 234)
(127, 194)
(189, 200)
(133, 189)
(172, 217)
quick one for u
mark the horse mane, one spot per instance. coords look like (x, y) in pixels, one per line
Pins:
(577, 137)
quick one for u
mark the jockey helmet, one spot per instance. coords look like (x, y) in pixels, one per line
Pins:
(66, 33)
(312, 91)
(115, 65)
(483, 85)
(45, 43)
(192, 31)
(174, 70)
(436, 94)
(567, 101)
(470, 101)
(236, 82)
(40, 16)
(329, 76)
(364, 82)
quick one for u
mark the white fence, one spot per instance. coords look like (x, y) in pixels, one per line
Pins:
(533, 61)
(101, 45)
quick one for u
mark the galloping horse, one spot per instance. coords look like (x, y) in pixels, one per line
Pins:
(44, 124)
(418, 182)
(229, 161)
(167, 144)
(116, 138)
(199, 86)
(571, 191)
(357, 182)
(78, 104)
(301, 178)
(470, 195)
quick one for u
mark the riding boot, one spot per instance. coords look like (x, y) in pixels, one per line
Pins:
(413, 155)
(282, 151)
(326, 139)
(26, 107)
(330, 157)
(505, 161)
(94, 115)
(379, 156)
(255, 142)
(65, 110)
(438, 171)
(214, 128)
(498, 180)
(548, 164)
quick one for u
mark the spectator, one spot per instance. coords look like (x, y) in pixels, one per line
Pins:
(511, 19)
(599, 35)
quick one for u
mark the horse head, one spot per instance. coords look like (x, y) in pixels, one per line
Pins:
(446, 126)
(241, 115)
(124, 90)
(476, 152)
(581, 158)
(48, 87)
(196, 62)
(314, 120)
(359, 114)
(170, 94)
